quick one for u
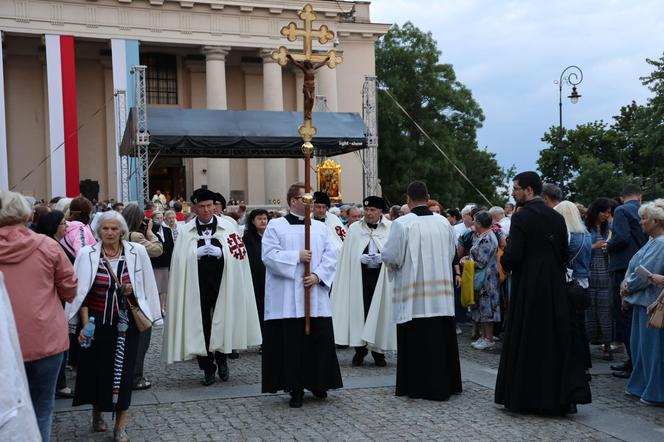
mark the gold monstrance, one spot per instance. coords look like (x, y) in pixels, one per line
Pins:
(308, 61)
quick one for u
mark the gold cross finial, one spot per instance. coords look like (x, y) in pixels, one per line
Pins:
(322, 34)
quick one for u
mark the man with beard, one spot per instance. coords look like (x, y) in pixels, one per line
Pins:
(211, 305)
(539, 371)
(361, 295)
(292, 360)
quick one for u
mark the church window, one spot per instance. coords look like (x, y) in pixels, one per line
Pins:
(161, 78)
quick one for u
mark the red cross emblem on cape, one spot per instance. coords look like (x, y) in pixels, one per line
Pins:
(341, 232)
(236, 246)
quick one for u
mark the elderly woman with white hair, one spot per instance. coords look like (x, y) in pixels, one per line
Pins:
(114, 276)
(39, 277)
(641, 291)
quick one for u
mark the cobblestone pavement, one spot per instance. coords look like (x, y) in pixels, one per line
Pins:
(351, 414)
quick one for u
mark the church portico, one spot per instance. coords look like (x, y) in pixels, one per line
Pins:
(199, 54)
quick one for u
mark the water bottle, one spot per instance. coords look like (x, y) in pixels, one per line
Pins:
(88, 333)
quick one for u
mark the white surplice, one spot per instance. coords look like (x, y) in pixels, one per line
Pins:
(350, 327)
(284, 273)
(419, 252)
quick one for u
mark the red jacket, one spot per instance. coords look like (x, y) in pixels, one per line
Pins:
(39, 277)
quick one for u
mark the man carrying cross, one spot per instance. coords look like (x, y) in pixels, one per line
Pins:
(292, 360)
(211, 304)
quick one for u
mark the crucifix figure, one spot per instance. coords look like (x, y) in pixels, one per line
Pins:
(309, 86)
(308, 61)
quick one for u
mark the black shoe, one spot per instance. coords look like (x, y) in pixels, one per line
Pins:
(296, 399)
(234, 355)
(320, 394)
(209, 379)
(358, 359)
(571, 409)
(622, 374)
(625, 366)
(380, 362)
(223, 371)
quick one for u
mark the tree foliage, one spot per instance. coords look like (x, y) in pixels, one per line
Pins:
(407, 65)
(600, 157)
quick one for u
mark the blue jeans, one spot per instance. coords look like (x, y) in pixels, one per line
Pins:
(42, 375)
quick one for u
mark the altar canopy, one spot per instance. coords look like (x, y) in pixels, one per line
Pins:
(206, 133)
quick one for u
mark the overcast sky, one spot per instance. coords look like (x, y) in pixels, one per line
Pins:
(509, 53)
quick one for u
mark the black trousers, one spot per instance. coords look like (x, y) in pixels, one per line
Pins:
(369, 282)
(209, 280)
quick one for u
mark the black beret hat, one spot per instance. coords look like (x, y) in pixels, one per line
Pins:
(322, 198)
(375, 201)
(202, 195)
(219, 198)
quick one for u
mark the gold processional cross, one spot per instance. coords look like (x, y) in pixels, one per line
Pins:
(308, 61)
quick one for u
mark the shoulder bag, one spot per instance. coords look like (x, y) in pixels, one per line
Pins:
(656, 313)
(140, 319)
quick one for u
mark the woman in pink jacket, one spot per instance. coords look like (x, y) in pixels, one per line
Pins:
(38, 277)
(78, 233)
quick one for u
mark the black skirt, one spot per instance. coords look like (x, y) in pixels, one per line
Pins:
(428, 359)
(293, 361)
(94, 377)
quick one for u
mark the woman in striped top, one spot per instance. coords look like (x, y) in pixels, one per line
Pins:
(106, 369)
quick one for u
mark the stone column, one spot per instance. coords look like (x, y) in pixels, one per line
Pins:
(218, 169)
(273, 100)
(327, 81)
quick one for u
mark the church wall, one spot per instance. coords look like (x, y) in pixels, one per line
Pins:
(26, 115)
(92, 142)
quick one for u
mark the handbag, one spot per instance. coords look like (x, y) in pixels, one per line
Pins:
(141, 320)
(656, 315)
(468, 283)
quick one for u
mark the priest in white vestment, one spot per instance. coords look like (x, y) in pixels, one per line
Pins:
(293, 361)
(361, 295)
(321, 213)
(211, 304)
(420, 250)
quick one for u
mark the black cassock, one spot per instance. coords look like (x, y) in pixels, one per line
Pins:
(541, 370)
(252, 240)
(210, 271)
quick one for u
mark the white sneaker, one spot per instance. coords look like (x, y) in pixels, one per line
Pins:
(458, 331)
(485, 345)
(474, 344)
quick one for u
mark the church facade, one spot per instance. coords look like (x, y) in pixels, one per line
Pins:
(66, 62)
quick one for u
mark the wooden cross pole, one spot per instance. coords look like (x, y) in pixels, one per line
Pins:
(308, 61)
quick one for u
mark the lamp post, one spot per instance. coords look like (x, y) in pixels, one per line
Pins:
(573, 78)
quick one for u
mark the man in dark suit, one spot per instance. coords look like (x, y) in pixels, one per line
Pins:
(626, 239)
(539, 371)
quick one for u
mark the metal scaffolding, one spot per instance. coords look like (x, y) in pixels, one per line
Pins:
(370, 154)
(142, 136)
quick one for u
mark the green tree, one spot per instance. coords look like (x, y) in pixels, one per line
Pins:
(407, 64)
(599, 158)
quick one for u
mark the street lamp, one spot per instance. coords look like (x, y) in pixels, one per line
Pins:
(573, 78)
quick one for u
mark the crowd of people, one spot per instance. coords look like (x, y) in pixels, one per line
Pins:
(548, 279)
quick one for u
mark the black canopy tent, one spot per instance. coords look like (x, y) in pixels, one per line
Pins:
(205, 133)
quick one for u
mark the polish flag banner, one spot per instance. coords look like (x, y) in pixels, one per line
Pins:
(62, 115)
